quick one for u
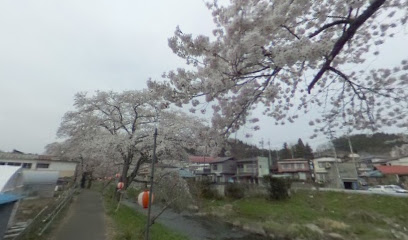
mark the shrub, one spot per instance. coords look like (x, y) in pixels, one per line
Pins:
(234, 190)
(202, 189)
(278, 188)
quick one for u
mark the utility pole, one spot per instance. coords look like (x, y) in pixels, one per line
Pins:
(339, 185)
(336, 164)
(151, 185)
(269, 153)
(291, 152)
(352, 157)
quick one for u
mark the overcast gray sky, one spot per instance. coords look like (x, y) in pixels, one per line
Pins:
(52, 49)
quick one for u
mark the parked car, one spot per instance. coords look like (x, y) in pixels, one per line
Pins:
(387, 189)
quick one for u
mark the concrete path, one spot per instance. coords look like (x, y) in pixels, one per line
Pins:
(85, 219)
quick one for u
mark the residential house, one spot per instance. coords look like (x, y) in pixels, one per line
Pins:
(252, 169)
(342, 175)
(159, 170)
(39, 163)
(297, 168)
(321, 166)
(373, 161)
(403, 161)
(223, 169)
(399, 172)
(200, 165)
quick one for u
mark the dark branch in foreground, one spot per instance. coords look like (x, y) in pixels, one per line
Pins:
(345, 37)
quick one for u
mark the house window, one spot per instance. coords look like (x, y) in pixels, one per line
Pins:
(14, 164)
(2, 163)
(286, 166)
(27, 165)
(214, 167)
(300, 166)
(43, 165)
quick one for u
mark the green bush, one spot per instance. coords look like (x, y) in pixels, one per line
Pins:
(278, 188)
(206, 191)
(202, 190)
(234, 190)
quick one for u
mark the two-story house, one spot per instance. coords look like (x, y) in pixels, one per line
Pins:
(297, 168)
(250, 170)
(223, 169)
(200, 164)
(321, 167)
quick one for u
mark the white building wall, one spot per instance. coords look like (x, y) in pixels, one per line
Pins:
(65, 169)
(399, 162)
(263, 167)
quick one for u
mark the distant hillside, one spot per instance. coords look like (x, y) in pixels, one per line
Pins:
(241, 150)
(378, 143)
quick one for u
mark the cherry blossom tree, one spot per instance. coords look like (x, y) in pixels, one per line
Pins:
(120, 126)
(86, 150)
(290, 56)
(400, 151)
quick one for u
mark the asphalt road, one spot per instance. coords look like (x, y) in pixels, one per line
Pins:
(364, 192)
(84, 220)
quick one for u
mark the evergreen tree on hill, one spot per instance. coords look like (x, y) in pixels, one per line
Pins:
(300, 149)
(308, 152)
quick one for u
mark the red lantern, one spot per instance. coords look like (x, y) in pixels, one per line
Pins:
(117, 175)
(143, 199)
(120, 185)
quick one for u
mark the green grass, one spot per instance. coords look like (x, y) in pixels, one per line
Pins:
(365, 216)
(129, 224)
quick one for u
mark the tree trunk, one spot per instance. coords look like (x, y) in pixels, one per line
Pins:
(123, 178)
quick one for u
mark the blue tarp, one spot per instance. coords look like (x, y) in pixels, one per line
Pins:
(7, 198)
(374, 173)
(185, 173)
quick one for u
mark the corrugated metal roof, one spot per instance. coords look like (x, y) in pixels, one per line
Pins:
(399, 170)
(6, 198)
(222, 159)
(200, 159)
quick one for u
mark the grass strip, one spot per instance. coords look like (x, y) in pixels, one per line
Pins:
(352, 215)
(130, 225)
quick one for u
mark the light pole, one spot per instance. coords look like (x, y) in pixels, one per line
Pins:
(152, 174)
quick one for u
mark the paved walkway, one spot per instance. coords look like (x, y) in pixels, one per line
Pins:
(84, 220)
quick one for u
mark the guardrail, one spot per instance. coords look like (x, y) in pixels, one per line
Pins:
(366, 192)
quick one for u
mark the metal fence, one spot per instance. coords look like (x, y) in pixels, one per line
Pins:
(43, 220)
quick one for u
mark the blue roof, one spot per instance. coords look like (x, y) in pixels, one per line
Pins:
(7, 198)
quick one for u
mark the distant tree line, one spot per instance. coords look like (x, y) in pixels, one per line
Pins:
(242, 150)
(376, 143)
